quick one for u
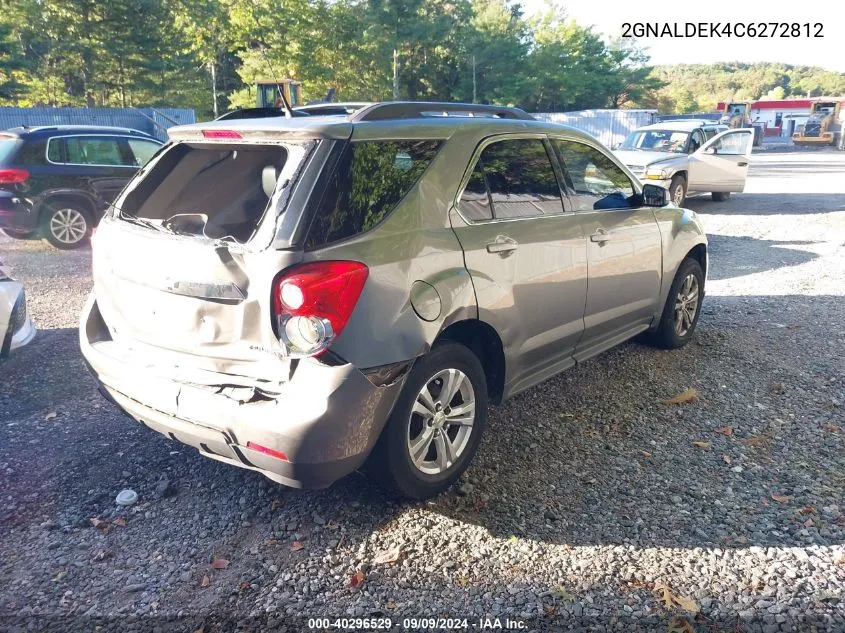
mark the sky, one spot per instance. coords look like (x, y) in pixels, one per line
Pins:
(608, 16)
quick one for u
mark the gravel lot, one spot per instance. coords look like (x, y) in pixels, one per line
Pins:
(591, 503)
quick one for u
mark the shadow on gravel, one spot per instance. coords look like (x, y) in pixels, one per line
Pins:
(770, 203)
(44, 374)
(735, 256)
(591, 457)
(594, 456)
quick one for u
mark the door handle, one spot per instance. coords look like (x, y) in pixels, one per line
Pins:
(502, 246)
(743, 164)
(601, 236)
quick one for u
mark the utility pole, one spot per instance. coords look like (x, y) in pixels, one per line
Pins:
(396, 74)
(474, 96)
(213, 68)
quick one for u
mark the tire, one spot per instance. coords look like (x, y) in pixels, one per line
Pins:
(720, 196)
(668, 334)
(678, 190)
(392, 463)
(66, 224)
(19, 235)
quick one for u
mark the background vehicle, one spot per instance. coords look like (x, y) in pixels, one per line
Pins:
(307, 294)
(58, 180)
(16, 328)
(268, 102)
(824, 126)
(737, 115)
(267, 92)
(689, 156)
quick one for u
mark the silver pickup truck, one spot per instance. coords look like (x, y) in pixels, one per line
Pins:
(689, 156)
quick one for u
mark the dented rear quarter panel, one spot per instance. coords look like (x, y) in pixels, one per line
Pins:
(414, 243)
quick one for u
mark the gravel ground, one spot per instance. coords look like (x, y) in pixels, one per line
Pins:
(591, 503)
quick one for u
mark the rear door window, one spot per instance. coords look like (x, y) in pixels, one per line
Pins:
(93, 150)
(596, 181)
(369, 181)
(521, 179)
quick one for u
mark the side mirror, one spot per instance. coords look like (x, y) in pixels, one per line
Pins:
(711, 150)
(654, 196)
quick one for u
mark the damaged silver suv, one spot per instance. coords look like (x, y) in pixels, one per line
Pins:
(299, 296)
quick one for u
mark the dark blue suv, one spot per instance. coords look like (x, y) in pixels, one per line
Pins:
(59, 180)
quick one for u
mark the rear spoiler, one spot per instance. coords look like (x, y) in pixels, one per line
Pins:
(263, 130)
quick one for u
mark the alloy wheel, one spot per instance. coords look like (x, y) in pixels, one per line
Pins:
(68, 226)
(678, 195)
(441, 421)
(686, 305)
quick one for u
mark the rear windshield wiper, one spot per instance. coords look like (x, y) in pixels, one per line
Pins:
(134, 219)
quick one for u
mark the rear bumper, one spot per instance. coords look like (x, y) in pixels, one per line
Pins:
(16, 213)
(325, 420)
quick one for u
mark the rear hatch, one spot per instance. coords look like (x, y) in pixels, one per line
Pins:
(184, 263)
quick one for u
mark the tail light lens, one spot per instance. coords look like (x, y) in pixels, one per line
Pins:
(13, 176)
(313, 302)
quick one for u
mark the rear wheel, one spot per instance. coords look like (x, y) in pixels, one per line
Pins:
(436, 424)
(67, 224)
(678, 190)
(18, 235)
(683, 307)
(720, 196)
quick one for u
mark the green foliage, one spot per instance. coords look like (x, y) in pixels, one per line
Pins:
(699, 87)
(12, 63)
(184, 52)
(177, 52)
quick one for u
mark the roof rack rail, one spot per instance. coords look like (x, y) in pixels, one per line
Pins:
(423, 109)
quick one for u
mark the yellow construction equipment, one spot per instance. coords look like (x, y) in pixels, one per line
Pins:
(267, 92)
(737, 114)
(824, 125)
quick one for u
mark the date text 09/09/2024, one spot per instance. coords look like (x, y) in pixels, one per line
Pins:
(723, 29)
(411, 624)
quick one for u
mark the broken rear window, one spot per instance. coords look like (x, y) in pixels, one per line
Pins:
(213, 190)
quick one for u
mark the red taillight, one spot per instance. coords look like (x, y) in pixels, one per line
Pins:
(13, 176)
(313, 303)
(267, 451)
(221, 134)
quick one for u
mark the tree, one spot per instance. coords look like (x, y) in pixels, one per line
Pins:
(710, 83)
(498, 39)
(11, 62)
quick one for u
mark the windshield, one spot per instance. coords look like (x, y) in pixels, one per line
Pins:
(657, 141)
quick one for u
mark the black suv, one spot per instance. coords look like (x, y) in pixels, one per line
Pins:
(60, 179)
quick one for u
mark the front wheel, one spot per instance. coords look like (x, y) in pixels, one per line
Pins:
(436, 424)
(678, 190)
(682, 309)
(66, 224)
(720, 196)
